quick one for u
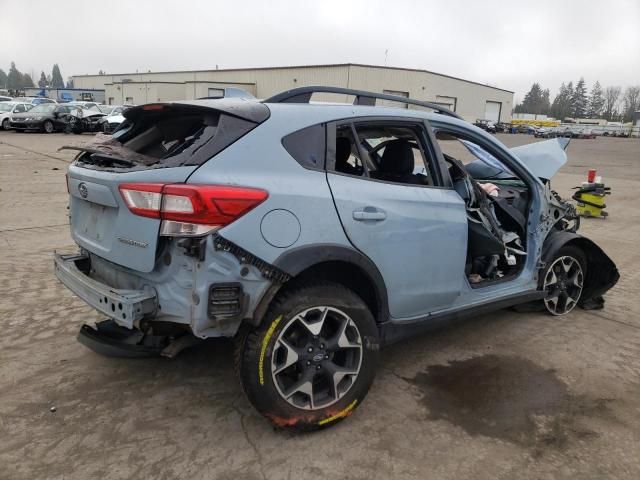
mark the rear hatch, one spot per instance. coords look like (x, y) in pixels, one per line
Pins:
(158, 144)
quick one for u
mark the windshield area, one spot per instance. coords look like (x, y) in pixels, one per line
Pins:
(478, 162)
(5, 107)
(43, 108)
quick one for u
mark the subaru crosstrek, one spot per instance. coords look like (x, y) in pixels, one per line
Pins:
(314, 233)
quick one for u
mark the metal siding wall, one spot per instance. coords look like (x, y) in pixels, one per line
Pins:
(427, 86)
(471, 97)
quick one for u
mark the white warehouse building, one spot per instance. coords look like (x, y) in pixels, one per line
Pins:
(471, 100)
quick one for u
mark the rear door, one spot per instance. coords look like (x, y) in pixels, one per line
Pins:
(403, 219)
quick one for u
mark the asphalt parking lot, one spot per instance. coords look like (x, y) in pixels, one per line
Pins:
(507, 395)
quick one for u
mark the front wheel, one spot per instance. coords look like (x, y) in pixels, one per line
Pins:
(5, 124)
(313, 358)
(563, 280)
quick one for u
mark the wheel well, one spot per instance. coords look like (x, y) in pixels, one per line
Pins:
(341, 272)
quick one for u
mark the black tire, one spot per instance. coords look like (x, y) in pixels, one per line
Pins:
(255, 348)
(569, 288)
(47, 126)
(5, 124)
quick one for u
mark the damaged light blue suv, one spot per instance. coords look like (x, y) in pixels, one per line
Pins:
(314, 233)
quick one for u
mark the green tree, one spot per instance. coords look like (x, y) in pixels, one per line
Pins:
(26, 81)
(611, 96)
(545, 107)
(596, 101)
(562, 102)
(579, 100)
(536, 101)
(3, 79)
(631, 101)
(42, 83)
(56, 77)
(14, 79)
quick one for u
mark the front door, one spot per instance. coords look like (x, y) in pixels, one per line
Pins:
(393, 209)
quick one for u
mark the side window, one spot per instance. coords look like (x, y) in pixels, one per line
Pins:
(387, 152)
(307, 146)
(348, 159)
(20, 109)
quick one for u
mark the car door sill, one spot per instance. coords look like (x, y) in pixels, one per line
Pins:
(395, 330)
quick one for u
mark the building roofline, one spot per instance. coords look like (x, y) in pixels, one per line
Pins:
(329, 65)
(65, 88)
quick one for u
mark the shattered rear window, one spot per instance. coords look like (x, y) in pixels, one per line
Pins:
(165, 136)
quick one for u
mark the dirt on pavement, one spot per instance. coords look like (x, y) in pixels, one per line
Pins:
(506, 395)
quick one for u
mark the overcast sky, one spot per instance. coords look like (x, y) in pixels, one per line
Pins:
(509, 44)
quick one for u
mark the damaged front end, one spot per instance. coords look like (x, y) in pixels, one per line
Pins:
(560, 224)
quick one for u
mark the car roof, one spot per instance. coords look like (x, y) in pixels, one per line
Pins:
(300, 115)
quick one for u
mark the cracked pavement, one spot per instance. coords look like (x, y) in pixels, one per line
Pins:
(506, 395)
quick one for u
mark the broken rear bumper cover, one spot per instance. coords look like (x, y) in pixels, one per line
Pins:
(124, 306)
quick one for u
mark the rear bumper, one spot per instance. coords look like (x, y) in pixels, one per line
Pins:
(123, 306)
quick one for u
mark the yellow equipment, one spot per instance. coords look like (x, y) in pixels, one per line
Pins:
(590, 198)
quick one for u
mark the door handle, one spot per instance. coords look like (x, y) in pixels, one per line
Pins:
(369, 213)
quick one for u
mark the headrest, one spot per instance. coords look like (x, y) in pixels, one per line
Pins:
(397, 158)
(343, 150)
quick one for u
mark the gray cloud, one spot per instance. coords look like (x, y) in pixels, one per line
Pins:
(503, 43)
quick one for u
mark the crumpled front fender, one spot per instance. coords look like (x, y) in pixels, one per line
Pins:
(602, 273)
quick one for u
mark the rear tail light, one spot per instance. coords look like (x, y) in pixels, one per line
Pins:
(190, 210)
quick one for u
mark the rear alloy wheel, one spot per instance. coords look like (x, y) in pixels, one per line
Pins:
(5, 124)
(313, 358)
(47, 126)
(564, 281)
(316, 358)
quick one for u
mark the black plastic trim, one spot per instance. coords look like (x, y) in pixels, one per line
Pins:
(363, 97)
(602, 273)
(268, 270)
(299, 259)
(393, 331)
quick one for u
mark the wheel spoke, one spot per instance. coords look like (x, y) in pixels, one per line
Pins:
(316, 326)
(340, 338)
(553, 301)
(291, 358)
(553, 280)
(336, 373)
(576, 278)
(304, 385)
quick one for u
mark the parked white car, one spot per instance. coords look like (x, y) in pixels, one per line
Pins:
(87, 105)
(114, 117)
(34, 100)
(9, 108)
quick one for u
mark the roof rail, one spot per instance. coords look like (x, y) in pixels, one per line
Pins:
(303, 95)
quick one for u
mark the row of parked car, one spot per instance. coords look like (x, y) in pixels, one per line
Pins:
(562, 131)
(46, 115)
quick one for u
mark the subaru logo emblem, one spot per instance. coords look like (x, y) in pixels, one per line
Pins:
(82, 188)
